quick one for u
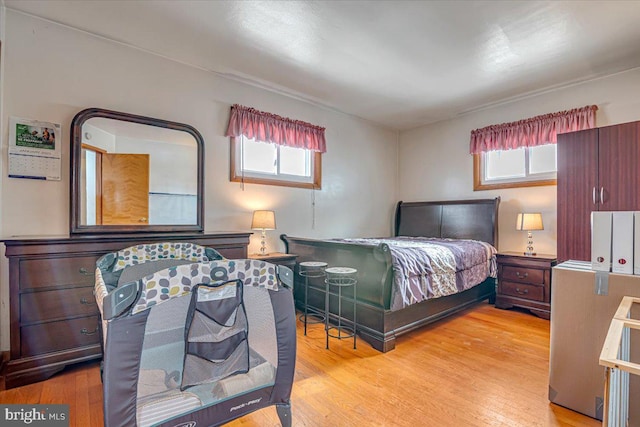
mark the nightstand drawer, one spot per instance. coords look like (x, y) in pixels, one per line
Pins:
(522, 290)
(522, 275)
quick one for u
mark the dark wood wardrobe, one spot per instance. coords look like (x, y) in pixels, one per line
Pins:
(598, 170)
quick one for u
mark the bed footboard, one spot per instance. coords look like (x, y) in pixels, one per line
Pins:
(372, 262)
(375, 276)
(376, 323)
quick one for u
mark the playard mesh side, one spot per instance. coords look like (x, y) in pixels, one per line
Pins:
(171, 382)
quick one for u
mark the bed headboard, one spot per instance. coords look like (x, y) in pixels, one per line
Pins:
(455, 219)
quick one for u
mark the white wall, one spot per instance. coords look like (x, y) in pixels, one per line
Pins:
(435, 163)
(52, 72)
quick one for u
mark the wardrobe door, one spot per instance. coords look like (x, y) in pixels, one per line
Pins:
(577, 192)
(618, 175)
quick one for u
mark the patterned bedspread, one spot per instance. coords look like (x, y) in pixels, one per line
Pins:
(431, 268)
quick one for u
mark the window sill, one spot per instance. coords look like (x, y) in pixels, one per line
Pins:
(477, 186)
(276, 182)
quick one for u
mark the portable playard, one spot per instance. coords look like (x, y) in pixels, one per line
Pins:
(191, 339)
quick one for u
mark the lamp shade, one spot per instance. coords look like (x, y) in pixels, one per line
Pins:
(263, 220)
(529, 221)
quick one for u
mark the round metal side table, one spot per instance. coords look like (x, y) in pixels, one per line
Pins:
(310, 270)
(340, 277)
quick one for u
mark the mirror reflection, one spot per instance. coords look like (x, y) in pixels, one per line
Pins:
(137, 174)
(134, 174)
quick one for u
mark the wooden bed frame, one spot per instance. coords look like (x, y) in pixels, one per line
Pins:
(376, 323)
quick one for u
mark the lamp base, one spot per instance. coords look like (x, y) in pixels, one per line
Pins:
(529, 251)
(263, 243)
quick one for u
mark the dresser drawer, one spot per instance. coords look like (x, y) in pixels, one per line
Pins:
(42, 273)
(522, 275)
(62, 335)
(50, 305)
(522, 290)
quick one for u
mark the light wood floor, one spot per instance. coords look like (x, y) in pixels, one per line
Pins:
(485, 367)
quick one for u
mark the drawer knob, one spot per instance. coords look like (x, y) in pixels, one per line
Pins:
(522, 292)
(85, 331)
(84, 301)
(522, 276)
(85, 271)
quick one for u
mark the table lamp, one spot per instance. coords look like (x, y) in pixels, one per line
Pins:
(529, 222)
(263, 220)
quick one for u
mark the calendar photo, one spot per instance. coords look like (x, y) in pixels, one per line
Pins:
(35, 136)
(35, 150)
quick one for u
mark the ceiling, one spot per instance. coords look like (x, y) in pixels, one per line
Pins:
(401, 64)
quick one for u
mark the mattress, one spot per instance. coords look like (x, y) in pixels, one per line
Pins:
(426, 268)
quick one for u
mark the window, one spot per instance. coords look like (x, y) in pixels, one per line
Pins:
(521, 167)
(260, 162)
(530, 156)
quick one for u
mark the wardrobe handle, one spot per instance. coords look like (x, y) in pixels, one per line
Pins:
(593, 195)
(601, 194)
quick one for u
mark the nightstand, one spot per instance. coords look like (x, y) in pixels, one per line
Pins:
(525, 281)
(288, 260)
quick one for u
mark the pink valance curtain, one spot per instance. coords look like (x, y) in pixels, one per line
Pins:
(269, 127)
(532, 132)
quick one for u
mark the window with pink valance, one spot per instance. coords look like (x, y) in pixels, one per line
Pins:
(272, 128)
(532, 132)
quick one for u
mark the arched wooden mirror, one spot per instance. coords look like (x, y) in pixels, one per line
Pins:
(134, 174)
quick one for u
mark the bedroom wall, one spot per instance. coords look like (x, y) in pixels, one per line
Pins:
(436, 164)
(52, 72)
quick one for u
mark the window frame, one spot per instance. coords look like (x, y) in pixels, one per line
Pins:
(479, 185)
(236, 174)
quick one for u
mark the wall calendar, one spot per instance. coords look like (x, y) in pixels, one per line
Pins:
(35, 150)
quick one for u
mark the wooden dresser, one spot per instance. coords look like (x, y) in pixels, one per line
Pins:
(54, 317)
